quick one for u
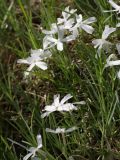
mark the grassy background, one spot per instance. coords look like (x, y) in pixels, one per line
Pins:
(75, 71)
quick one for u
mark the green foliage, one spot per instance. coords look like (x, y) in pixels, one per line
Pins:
(74, 70)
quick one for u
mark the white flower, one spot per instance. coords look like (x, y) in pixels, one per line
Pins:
(66, 14)
(115, 6)
(66, 22)
(56, 27)
(36, 60)
(98, 43)
(49, 41)
(110, 62)
(33, 150)
(42, 53)
(61, 130)
(60, 106)
(80, 24)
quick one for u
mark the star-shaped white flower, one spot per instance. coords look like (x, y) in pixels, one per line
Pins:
(36, 60)
(61, 106)
(61, 130)
(115, 6)
(80, 24)
(67, 25)
(49, 41)
(33, 150)
(98, 43)
(66, 22)
(66, 15)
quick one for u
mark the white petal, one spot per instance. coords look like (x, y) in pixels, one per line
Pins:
(107, 31)
(69, 38)
(96, 42)
(79, 18)
(56, 99)
(65, 13)
(114, 5)
(71, 129)
(50, 108)
(41, 65)
(30, 67)
(50, 130)
(67, 107)
(87, 28)
(36, 52)
(75, 32)
(111, 56)
(73, 11)
(118, 74)
(58, 130)
(46, 41)
(24, 61)
(67, 97)
(113, 63)
(68, 24)
(46, 54)
(47, 32)
(81, 102)
(39, 141)
(59, 46)
(32, 149)
(60, 20)
(60, 34)
(27, 156)
(45, 114)
(90, 20)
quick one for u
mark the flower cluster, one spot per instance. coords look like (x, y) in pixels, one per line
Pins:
(65, 30)
(57, 105)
